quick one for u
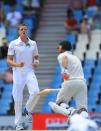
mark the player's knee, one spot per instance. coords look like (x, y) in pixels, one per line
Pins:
(64, 105)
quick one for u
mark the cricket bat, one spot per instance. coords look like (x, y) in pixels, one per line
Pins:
(31, 104)
(46, 91)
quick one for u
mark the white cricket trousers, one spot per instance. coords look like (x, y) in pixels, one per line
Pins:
(75, 88)
(19, 81)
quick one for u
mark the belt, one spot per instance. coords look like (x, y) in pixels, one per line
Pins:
(75, 79)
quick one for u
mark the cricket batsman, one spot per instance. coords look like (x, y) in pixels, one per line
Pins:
(74, 84)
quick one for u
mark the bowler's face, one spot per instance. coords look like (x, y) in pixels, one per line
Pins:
(22, 31)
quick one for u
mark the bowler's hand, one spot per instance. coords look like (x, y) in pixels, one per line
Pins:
(35, 64)
(20, 64)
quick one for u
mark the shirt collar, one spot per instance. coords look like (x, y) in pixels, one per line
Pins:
(70, 52)
(20, 41)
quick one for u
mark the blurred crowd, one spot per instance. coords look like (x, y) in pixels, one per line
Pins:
(14, 12)
(83, 16)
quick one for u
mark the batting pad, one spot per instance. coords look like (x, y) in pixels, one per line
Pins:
(61, 110)
(32, 103)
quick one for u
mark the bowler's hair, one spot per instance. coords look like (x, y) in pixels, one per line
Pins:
(66, 45)
(22, 24)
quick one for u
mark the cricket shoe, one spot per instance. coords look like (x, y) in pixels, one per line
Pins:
(28, 116)
(25, 111)
(83, 112)
(19, 127)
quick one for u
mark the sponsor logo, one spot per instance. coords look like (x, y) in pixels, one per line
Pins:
(56, 123)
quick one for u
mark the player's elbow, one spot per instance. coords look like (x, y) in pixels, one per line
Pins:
(9, 59)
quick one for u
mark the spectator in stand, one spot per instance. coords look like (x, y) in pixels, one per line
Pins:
(7, 76)
(98, 12)
(69, 12)
(4, 48)
(10, 2)
(31, 11)
(77, 4)
(91, 7)
(14, 17)
(1, 90)
(31, 4)
(2, 26)
(31, 7)
(71, 24)
(91, 2)
(95, 22)
(85, 27)
(98, 2)
(2, 19)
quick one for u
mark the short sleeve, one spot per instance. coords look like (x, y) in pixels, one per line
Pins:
(35, 49)
(11, 49)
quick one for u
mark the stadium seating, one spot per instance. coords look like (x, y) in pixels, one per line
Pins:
(71, 37)
(6, 98)
(90, 12)
(89, 63)
(3, 65)
(98, 108)
(6, 8)
(87, 72)
(5, 107)
(56, 82)
(6, 94)
(19, 7)
(49, 97)
(78, 15)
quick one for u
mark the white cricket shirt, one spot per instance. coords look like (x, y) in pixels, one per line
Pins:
(74, 66)
(23, 53)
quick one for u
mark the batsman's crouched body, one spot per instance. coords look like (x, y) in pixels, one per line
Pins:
(74, 85)
(75, 88)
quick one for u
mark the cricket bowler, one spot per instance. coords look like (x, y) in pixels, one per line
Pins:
(24, 58)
